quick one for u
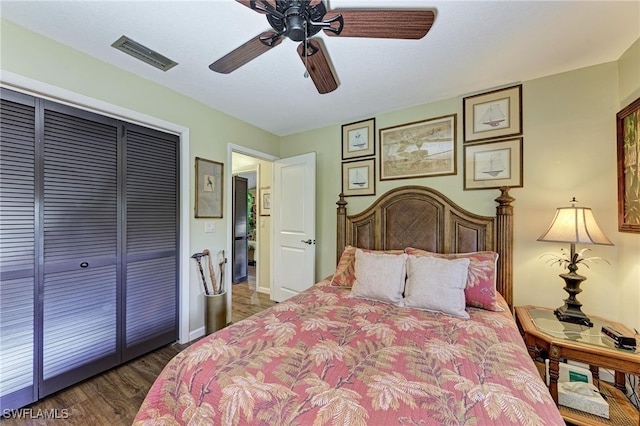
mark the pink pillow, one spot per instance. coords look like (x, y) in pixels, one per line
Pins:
(345, 274)
(480, 290)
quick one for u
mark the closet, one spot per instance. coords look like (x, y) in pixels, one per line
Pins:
(89, 234)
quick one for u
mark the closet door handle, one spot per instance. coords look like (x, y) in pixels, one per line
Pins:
(84, 265)
(309, 241)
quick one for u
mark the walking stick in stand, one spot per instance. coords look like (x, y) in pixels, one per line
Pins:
(221, 261)
(197, 257)
(214, 282)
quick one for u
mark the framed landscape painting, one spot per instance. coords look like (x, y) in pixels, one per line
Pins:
(628, 147)
(419, 149)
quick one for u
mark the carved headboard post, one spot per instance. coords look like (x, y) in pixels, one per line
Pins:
(342, 227)
(504, 244)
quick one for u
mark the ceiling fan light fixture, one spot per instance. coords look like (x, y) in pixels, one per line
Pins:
(143, 53)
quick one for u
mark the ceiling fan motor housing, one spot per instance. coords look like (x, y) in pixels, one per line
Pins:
(295, 16)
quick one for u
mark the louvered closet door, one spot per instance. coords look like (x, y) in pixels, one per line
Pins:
(80, 220)
(151, 240)
(17, 241)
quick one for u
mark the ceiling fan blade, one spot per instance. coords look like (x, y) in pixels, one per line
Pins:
(402, 24)
(247, 3)
(318, 66)
(245, 53)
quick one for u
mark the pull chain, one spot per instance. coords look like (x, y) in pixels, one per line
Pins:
(305, 51)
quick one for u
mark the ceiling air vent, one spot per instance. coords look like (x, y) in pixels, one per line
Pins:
(138, 51)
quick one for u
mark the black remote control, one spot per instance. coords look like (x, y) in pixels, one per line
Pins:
(621, 341)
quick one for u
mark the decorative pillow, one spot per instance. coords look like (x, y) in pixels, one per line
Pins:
(436, 284)
(480, 291)
(379, 276)
(345, 274)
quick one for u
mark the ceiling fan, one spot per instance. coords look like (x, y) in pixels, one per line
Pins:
(300, 20)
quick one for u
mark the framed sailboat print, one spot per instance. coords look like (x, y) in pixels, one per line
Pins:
(493, 115)
(358, 177)
(493, 164)
(358, 139)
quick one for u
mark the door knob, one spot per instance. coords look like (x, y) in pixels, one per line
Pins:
(309, 241)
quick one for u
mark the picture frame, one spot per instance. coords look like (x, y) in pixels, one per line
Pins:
(491, 165)
(359, 178)
(358, 139)
(209, 188)
(493, 115)
(265, 201)
(628, 159)
(419, 149)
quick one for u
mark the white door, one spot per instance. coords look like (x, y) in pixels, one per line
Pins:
(293, 215)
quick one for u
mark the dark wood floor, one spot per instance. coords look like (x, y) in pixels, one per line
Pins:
(113, 398)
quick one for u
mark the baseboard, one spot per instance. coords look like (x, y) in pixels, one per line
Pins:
(197, 333)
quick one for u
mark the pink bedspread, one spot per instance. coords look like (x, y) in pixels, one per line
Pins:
(323, 358)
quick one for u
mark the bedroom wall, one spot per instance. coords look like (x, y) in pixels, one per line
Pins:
(30, 55)
(568, 117)
(629, 244)
(569, 150)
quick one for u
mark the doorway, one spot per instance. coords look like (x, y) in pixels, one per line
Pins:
(256, 169)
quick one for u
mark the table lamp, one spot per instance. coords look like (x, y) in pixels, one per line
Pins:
(574, 225)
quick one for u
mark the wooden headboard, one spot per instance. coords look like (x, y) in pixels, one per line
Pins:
(421, 217)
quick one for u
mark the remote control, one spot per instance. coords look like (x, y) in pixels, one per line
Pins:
(621, 341)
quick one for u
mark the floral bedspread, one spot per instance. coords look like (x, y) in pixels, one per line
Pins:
(324, 358)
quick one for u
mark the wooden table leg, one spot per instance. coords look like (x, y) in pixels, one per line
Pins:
(595, 373)
(554, 372)
(620, 381)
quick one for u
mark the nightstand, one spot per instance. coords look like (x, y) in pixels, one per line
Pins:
(542, 331)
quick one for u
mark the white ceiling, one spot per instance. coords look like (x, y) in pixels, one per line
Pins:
(473, 46)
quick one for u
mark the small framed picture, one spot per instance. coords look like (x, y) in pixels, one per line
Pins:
(493, 164)
(208, 188)
(358, 139)
(492, 115)
(358, 177)
(265, 201)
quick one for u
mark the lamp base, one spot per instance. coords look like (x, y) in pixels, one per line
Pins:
(570, 311)
(566, 314)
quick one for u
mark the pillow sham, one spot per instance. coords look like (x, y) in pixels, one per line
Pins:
(436, 284)
(480, 290)
(345, 273)
(379, 276)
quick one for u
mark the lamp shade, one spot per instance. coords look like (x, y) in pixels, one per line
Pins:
(574, 225)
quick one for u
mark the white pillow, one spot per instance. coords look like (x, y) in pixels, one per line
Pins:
(436, 284)
(379, 276)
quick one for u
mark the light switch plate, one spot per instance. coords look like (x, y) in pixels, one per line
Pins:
(209, 227)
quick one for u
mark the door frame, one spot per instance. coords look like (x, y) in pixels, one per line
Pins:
(239, 149)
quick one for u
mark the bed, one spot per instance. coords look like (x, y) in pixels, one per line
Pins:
(337, 355)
